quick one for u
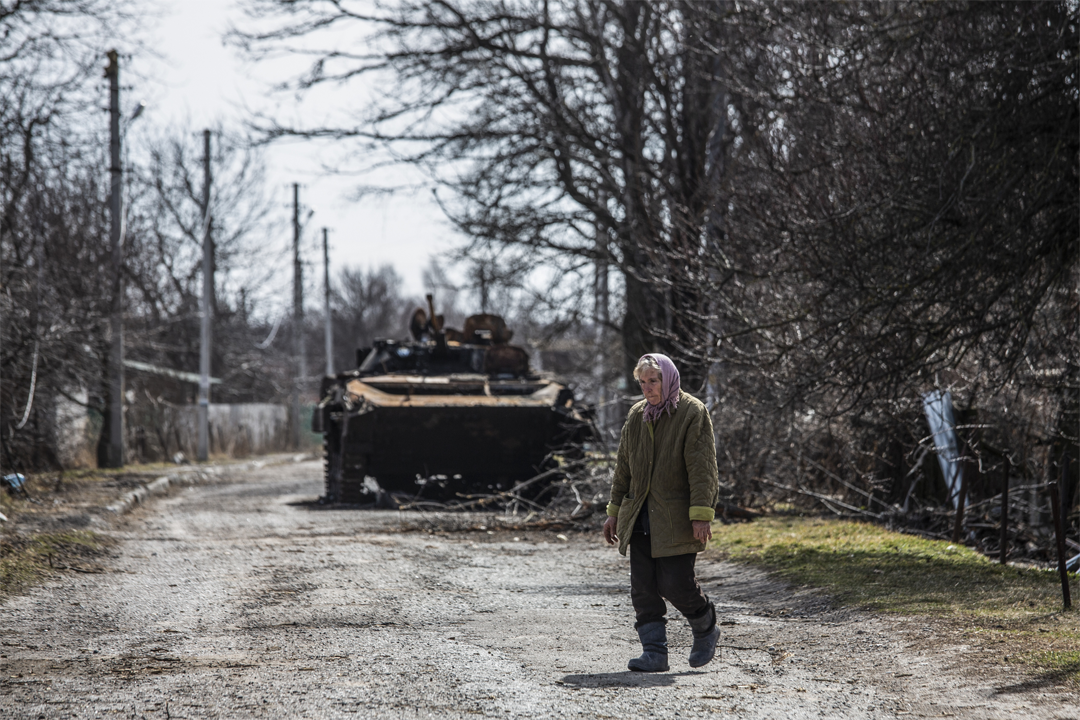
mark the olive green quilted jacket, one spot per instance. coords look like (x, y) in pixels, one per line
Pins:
(673, 467)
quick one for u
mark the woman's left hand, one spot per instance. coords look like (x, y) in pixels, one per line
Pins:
(702, 530)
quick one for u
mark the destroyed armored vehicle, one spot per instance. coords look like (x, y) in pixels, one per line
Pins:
(446, 414)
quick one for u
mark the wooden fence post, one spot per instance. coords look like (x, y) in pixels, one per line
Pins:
(1059, 531)
(961, 501)
(1004, 544)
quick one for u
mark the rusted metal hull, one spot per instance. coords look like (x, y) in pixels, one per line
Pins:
(441, 446)
(439, 453)
(438, 418)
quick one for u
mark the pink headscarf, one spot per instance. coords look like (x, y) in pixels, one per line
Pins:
(669, 389)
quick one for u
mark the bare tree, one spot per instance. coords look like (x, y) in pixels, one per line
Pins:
(164, 270)
(52, 142)
(826, 209)
(545, 120)
(913, 177)
(908, 173)
(367, 305)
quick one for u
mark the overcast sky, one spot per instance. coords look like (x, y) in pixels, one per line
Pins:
(201, 80)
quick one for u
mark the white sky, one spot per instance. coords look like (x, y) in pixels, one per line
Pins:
(202, 81)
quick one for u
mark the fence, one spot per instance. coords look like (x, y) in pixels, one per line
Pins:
(235, 430)
(158, 431)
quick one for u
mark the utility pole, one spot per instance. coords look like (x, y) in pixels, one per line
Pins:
(298, 318)
(115, 451)
(329, 332)
(205, 311)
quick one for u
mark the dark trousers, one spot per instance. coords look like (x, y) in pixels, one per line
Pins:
(652, 580)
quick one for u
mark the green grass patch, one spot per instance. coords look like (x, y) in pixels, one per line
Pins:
(1063, 664)
(24, 561)
(866, 566)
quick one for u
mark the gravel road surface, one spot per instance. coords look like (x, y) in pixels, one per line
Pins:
(241, 599)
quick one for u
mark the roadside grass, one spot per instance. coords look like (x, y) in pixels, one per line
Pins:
(39, 535)
(1014, 614)
(33, 542)
(54, 493)
(24, 561)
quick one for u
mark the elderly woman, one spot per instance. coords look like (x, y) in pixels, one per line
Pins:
(662, 504)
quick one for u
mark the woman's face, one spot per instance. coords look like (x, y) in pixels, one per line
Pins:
(649, 380)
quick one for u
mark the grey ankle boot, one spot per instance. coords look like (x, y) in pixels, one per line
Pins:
(706, 635)
(654, 643)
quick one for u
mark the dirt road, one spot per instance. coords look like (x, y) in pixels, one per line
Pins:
(240, 600)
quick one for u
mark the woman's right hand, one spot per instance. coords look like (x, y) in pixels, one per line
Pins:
(609, 530)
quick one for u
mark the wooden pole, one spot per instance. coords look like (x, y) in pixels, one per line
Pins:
(961, 501)
(1059, 531)
(1004, 544)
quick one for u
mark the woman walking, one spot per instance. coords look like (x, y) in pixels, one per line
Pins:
(663, 499)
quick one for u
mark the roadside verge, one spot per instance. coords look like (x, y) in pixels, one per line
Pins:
(60, 521)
